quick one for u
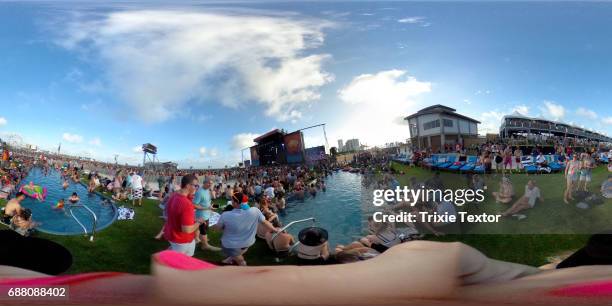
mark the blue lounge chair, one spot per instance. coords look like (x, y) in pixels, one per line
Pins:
(559, 162)
(449, 162)
(551, 160)
(458, 164)
(479, 169)
(528, 164)
(470, 164)
(430, 162)
(442, 159)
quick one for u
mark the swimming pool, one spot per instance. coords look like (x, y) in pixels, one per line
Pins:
(61, 222)
(338, 210)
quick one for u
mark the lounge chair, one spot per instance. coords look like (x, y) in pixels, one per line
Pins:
(449, 162)
(551, 160)
(458, 164)
(528, 164)
(479, 169)
(442, 159)
(470, 164)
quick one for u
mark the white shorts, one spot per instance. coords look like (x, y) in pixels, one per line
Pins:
(183, 248)
(531, 202)
(137, 193)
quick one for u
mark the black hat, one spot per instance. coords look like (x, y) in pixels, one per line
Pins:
(597, 251)
(313, 236)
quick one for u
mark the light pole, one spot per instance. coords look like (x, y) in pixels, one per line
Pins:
(242, 153)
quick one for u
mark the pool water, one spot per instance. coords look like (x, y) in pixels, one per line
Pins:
(338, 210)
(60, 222)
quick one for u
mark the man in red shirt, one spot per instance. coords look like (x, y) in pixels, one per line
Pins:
(181, 224)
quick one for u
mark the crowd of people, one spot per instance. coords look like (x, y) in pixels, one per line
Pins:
(254, 201)
(256, 195)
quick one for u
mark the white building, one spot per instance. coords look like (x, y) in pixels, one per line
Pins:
(340, 145)
(351, 145)
(437, 125)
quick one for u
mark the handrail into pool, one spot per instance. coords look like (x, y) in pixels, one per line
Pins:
(95, 218)
(77, 220)
(286, 227)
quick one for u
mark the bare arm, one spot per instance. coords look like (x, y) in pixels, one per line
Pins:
(269, 226)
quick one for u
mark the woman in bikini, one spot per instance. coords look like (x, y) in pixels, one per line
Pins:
(572, 171)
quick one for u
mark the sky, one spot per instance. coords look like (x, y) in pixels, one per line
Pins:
(200, 80)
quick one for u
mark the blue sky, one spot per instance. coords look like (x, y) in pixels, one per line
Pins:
(200, 80)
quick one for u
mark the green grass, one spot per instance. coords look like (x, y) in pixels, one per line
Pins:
(552, 227)
(127, 246)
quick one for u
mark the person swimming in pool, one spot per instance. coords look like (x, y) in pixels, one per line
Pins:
(312, 190)
(74, 198)
(65, 184)
(60, 204)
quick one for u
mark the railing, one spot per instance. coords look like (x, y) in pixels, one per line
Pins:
(95, 220)
(285, 228)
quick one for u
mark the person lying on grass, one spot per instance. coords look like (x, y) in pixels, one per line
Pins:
(528, 200)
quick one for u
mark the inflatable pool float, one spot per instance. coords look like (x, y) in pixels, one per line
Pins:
(214, 218)
(36, 192)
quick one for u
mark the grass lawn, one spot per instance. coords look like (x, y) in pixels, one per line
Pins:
(552, 227)
(127, 246)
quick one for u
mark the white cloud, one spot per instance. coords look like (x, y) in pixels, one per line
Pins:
(95, 141)
(607, 120)
(490, 121)
(521, 109)
(213, 153)
(420, 20)
(383, 88)
(203, 152)
(214, 161)
(72, 138)
(553, 110)
(482, 92)
(587, 113)
(137, 149)
(158, 60)
(412, 20)
(243, 140)
(3, 121)
(378, 102)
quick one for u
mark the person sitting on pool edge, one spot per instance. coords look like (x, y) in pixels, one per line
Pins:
(528, 200)
(13, 207)
(22, 222)
(506, 191)
(383, 235)
(353, 252)
(313, 247)
(281, 243)
(74, 198)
